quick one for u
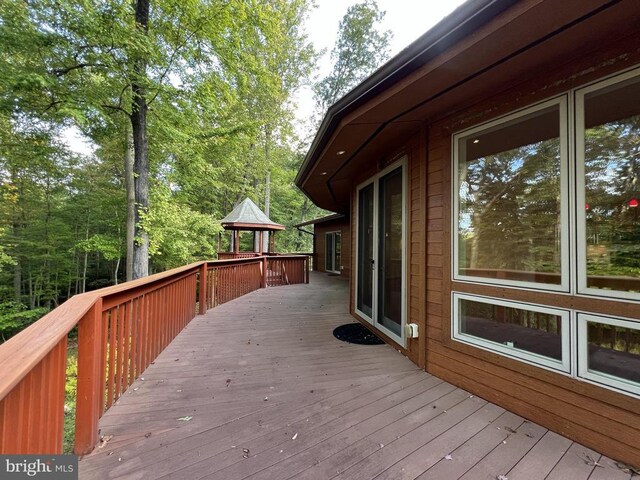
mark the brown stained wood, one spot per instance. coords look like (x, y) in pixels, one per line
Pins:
(342, 400)
(619, 424)
(89, 387)
(528, 410)
(112, 356)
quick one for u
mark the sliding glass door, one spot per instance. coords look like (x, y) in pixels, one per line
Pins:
(365, 259)
(332, 252)
(380, 253)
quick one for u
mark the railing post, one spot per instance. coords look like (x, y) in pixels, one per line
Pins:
(264, 272)
(203, 289)
(90, 393)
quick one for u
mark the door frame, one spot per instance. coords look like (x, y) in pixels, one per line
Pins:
(375, 181)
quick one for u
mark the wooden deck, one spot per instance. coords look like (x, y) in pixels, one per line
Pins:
(258, 388)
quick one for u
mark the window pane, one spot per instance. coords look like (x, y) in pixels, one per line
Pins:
(365, 251)
(614, 351)
(390, 254)
(509, 200)
(612, 187)
(338, 248)
(328, 261)
(525, 330)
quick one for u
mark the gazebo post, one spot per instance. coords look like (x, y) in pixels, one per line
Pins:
(236, 246)
(260, 243)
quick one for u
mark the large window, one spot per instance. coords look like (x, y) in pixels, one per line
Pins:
(510, 206)
(534, 333)
(610, 351)
(531, 211)
(608, 139)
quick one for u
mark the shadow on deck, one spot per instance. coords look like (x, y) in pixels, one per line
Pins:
(259, 388)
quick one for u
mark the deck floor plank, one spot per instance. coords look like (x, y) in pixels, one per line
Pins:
(264, 374)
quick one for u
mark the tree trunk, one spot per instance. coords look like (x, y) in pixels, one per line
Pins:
(267, 186)
(131, 204)
(84, 268)
(141, 150)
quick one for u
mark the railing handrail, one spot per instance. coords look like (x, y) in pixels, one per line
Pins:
(22, 352)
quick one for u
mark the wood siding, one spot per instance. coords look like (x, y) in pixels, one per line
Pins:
(595, 416)
(598, 417)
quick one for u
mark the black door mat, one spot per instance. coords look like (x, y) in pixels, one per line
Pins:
(356, 333)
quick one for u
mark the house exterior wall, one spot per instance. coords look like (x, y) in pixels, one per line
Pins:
(597, 417)
(321, 229)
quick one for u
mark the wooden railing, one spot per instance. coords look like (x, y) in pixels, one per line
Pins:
(121, 330)
(287, 270)
(233, 255)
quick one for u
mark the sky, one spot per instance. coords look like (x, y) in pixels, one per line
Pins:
(407, 20)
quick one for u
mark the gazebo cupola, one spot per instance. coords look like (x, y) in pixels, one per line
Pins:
(246, 216)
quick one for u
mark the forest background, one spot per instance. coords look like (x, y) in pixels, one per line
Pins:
(189, 106)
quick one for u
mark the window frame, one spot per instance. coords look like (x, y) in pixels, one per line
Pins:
(561, 366)
(562, 101)
(600, 378)
(580, 186)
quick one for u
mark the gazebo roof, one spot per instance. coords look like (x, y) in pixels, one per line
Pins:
(247, 216)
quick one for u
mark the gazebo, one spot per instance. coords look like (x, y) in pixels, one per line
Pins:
(246, 216)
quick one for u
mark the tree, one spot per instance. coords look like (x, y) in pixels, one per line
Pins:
(360, 48)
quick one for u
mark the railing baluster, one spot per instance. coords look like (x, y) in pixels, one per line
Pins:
(90, 390)
(113, 316)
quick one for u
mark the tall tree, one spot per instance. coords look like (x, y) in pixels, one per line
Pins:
(361, 47)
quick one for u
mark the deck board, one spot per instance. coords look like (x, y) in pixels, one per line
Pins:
(263, 373)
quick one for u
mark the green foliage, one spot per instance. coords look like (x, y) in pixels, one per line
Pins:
(15, 316)
(219, 82)
(360, 48)
(178, 234)
(70, 393)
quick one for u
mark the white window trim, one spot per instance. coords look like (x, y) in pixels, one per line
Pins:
(399, 339)
(600, 378)
(563, 366)
(581, 226)
(333, 232)
(564, 286)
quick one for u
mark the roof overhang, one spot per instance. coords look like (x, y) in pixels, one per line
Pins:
(328, 218)
(483, 46)
(252, 226)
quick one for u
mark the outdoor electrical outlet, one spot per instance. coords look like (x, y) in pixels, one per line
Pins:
(412, 330)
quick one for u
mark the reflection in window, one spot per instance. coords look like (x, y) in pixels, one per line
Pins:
(517, 328)
(614, 350)
(509, 200)
(612, 186)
